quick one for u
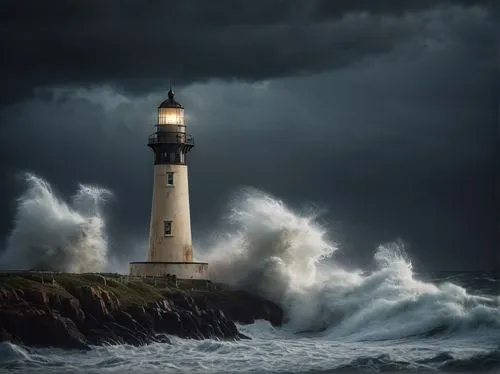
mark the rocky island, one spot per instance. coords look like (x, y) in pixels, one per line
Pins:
(79, 310)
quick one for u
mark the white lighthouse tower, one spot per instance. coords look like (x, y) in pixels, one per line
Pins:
(170, 247)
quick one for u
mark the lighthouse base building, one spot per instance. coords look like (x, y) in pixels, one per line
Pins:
(170, 246)
(181, 270)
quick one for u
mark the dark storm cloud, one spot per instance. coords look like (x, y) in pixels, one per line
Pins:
(394, 132)
(139, 45)
(392, 149)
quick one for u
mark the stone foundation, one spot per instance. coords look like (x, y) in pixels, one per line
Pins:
(182, 270)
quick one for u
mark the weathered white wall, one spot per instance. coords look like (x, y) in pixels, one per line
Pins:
(170, 203)
(192, 270)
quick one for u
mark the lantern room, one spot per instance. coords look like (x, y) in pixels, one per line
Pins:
(170, 112)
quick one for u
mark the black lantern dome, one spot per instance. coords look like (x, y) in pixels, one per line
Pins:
(170, 102)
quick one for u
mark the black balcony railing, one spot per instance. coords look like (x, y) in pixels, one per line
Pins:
(165, 137)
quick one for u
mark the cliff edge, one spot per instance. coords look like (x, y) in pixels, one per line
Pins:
(78, 310)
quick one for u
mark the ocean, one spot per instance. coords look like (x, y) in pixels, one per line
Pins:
(390, 319)
(472, 347)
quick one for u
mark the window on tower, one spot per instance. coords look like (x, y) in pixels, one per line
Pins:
(170, 178)
(167, 228)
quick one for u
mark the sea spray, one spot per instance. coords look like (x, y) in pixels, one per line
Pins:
(277, 252)
(50, 234)
(269, 249)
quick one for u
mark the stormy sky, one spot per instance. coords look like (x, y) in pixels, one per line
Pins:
(384, 113)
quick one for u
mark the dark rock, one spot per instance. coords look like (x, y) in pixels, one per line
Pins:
(162, 338)
(240, 306)
(5, 336)
(77, 315)
(41, 328)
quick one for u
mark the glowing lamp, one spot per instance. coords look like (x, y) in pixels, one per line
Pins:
(170, 112)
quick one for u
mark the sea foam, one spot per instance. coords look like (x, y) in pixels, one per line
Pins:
(286, 256)
(51, 234)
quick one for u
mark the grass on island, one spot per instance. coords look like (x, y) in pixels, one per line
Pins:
(128, 290)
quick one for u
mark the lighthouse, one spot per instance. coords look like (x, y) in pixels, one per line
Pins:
(170, 249)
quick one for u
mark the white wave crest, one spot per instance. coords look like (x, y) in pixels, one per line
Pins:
(280, 254)
(50, 234)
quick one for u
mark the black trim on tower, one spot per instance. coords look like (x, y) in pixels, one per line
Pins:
(170, 147)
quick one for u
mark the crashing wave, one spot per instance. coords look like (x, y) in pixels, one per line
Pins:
(50, 234)
(271, 250)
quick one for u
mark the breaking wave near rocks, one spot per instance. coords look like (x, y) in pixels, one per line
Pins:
(288, 258)
(337, 320)
(52, 234)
